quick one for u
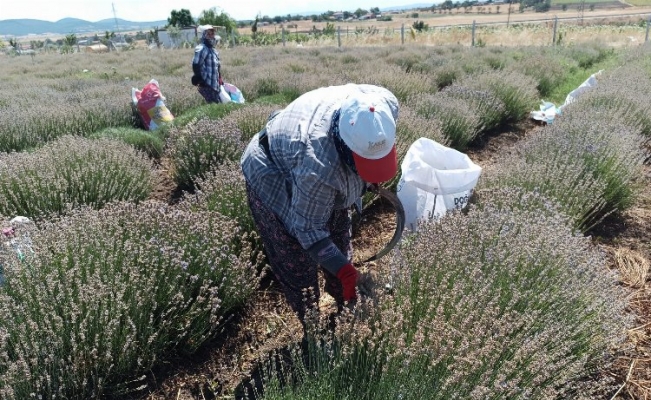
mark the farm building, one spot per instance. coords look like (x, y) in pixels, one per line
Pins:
(186, 35)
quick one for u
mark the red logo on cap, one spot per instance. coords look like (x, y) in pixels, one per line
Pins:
(371, 109)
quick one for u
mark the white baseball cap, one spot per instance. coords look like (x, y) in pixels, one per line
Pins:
(367, 127)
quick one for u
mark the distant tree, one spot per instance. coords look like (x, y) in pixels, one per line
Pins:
(375, 10)
(13, 43)
(70, 39)
(2, 45)
(447, 5)
(211, 17)
(420, 26)
(37, 44)
(329, 29)
(180, 18)
(254, 27)
(154, 36)
(359, 12)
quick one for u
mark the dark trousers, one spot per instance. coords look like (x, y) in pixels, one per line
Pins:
(291, 265)
(209, 94)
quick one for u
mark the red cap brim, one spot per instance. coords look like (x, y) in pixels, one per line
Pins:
(377, 171)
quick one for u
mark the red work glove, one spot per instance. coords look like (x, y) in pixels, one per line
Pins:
(348, 277)
(221, 81)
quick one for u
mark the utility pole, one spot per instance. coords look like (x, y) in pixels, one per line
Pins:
(508, 18)
(581, 9)
(115, 17)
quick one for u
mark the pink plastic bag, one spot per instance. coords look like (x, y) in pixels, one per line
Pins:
(150, 104)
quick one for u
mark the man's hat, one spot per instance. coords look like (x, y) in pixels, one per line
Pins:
(367, 127)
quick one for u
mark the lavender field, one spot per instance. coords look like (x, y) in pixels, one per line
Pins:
(141, 275)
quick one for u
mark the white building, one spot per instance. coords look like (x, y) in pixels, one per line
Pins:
(186, 35)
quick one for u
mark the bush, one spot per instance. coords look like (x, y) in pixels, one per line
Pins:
(201, 145)
(516, 91)
(110, 294)
(224, 191)
(252, 118)
(458, 123)
(489, 108)
(71, 172)
(586, 162)
(503, 302)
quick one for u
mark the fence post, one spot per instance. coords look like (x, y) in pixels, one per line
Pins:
(554, 34)
(648, 22)
(283, 35)
(402, 34)
(472, 44)
(339, 35)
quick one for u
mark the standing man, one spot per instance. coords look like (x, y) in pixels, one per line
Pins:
(207, 66)
(312, 161)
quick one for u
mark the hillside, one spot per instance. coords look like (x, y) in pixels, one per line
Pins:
(24, 27)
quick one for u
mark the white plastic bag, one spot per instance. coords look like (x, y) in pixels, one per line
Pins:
(224, 97)
(587, 84)
(234, 93)
(435, 179)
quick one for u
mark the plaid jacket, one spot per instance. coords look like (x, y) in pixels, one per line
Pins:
(208, 60)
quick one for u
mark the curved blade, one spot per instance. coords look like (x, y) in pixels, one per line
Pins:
(400, 221)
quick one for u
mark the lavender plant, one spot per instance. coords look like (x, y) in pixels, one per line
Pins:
(516, 91)
(499, 303)
(456, 119)
(588, 162)
(485, 104)
(612, 152)
(71, 172)
(549, 70)
(109, 294)
(223, 190)
(251, 119)
(200, 145)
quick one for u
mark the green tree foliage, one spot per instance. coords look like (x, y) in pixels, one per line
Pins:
(217, 19)
(180, 18)
(254, 27)
(447, 5)
(70, 39)
(153, 34)
(420, 26)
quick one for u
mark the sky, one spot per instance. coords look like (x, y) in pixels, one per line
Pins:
(158, 10)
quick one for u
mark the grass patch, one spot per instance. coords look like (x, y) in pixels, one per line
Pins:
(576, 76)
(210, 111)
(149, 142)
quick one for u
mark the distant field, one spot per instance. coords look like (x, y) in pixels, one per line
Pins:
(640, 3)
(577, 2)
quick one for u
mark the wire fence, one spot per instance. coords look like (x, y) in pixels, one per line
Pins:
(344, 34)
